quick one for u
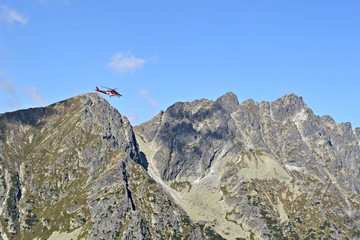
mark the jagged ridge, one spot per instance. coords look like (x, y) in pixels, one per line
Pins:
(263, 169)
(73, 170)
(268, 170)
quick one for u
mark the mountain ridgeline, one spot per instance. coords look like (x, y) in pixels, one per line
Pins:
(205, 169)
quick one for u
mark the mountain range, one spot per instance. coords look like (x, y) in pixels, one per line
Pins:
(78, 169)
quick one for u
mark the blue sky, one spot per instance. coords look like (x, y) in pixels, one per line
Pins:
(159, 52)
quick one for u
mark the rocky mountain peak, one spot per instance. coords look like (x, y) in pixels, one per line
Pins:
(229, 102)
(242, 161)
(292, 98)
(290, 102)
(328, 120)
(73, 170)
(357, 133)
(199, 170)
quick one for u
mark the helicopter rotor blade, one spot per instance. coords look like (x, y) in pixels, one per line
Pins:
(109, 88)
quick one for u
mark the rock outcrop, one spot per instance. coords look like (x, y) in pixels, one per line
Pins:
(268, 170)
(72, 170)
(205, 169)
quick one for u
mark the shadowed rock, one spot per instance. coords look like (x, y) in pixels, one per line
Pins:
(73, 170)
(269, 170)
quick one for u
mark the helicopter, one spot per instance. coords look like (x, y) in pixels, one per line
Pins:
(110, 91)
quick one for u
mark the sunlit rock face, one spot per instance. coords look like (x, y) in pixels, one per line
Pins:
(72, 170)
(205, 169)
(257, 170)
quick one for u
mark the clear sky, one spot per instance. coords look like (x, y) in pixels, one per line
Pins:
(159, 52)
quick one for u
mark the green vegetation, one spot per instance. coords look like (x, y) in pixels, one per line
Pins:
(356, 233)
(31, 220)
(273, 225)
(151, 181)
(325, 225)
(14, 197)
(310, 234)
(211, 234)
(180, 186)
(186, 220)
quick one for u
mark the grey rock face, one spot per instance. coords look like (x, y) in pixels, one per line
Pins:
(280, 170)
(72, 171)
(200, 170)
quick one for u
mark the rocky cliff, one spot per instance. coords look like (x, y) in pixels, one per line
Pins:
(205, 169)
(73, 170)
(258, 170)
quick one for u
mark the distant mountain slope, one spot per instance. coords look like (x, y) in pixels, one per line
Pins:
(206, 169)
(257, 170)
(72, 170)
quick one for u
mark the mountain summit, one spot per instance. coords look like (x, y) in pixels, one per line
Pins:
(258, 170)
(72, 171)
(205, 169)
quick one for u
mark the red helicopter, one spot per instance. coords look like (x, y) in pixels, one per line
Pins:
(111, 91)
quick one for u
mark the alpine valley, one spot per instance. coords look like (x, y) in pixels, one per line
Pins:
(205, 169)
